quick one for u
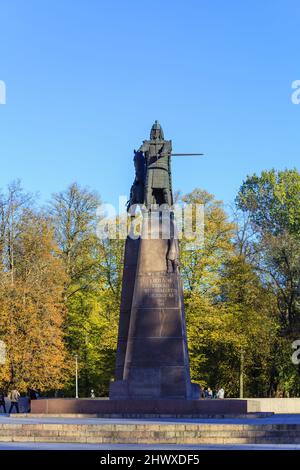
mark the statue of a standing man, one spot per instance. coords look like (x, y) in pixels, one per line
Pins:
(157, 154)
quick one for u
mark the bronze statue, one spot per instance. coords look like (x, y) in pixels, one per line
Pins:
(152, 184)
(157, 151)
(153, 179)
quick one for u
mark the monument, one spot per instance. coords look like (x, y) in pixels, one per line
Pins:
(152, 376)
(152, 354)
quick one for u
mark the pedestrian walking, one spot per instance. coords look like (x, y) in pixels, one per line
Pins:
(221, 393)
(14, 397)
(2, 401)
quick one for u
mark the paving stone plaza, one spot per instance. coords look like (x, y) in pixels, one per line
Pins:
(277, 432)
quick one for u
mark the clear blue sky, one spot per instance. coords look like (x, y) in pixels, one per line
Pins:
(86, 79)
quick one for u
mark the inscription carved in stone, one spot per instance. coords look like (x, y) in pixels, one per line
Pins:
(159, 287)
(162, 290)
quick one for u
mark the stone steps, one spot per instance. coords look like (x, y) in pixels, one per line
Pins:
(158, 433)
(146, 415)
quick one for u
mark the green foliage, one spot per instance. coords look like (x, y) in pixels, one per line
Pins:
(92, 335)
(92, 295)
(60, 290)
(273, 200)
(200, 267)
(238, 321)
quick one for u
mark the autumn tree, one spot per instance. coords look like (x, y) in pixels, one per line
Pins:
(12, 204)
(60, 287)
(32, 311)
(271, 201)
(201, 269)
(229, 311)
(249, 310)
(92, 294)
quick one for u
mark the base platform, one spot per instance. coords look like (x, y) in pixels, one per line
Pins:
(156, 432)
(144, 408)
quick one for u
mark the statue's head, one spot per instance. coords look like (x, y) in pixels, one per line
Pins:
(156, 132)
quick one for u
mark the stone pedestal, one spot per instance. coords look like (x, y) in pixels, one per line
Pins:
(157, 408)
(152, 355)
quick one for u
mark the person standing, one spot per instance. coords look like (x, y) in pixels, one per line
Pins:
(221, 393)
(2, 401)
(14, 397)
(32, 395)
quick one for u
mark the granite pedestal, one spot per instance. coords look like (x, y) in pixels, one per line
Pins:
(152, 354)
